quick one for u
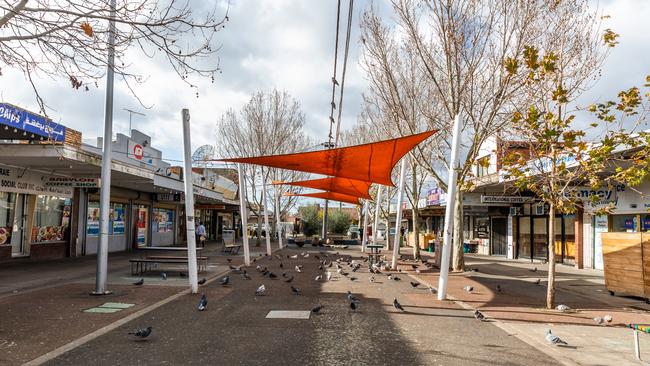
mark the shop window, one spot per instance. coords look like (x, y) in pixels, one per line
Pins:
(51, 218)
(645, 223)
(481, 227)
(116, 219)
(7, 204)
(483, 166)
(163, 220)
(625, 223)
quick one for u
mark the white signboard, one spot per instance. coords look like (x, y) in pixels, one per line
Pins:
(506, 199)
(28, 182)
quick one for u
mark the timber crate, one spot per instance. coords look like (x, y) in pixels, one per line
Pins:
(626, 258)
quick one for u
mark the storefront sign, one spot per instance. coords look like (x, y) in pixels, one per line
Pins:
(506, 199)
(138, 152)
(170, 197)
(30, 122)
(28, 182)
(72, 182)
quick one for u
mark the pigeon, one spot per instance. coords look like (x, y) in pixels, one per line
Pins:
(533, 270)
(395, 278)
(225, 281)
(289, 279)
(344, 273)
(163, 275)
(272, 275)
(246, 276)
(468, 289)
(351, 297)
(318, 278)
(298, 269)
(306, 255)
(563, 308)
(202, 281)
(260, 290)
(284, 275)
(142, 333)
(294, 256)
(538, 282)
(608, 318)
(295, 290)
(371, 279)
(417, 270)
(328, 275)
(498, 288)
(281, 265)
(353, 278)
(316, 308)
(203, 303)
(415, 284)
(433, 290)
(553, 339)
(397, 305)
(598, 320)
(182, 274)
(354, 306)
(478, 315)
(390, 276)
(139, 282)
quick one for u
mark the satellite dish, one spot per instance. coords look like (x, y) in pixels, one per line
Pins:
(203, 156)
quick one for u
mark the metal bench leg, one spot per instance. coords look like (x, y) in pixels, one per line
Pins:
(637, 348)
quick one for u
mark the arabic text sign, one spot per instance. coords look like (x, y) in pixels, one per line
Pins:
(31, 122)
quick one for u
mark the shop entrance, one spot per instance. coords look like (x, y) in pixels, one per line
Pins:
(498, 235)
(141, 226)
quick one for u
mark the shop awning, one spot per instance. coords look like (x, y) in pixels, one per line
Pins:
(371, 162)
(347, 186)
(332, 196)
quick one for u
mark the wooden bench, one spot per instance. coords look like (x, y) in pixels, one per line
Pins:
(142, 265)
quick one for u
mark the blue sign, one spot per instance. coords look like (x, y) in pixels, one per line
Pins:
(33, 123)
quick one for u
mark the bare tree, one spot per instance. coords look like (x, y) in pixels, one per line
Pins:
(69, 39)
(271, 123)
(460, 48)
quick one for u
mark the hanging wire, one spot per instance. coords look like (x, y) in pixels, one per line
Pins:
(334, 82)
(345, 64)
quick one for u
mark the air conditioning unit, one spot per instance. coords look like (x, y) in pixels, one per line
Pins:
(515, 211)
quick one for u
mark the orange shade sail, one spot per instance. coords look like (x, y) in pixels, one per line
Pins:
(332, 196)
(347, 186)
(371, 162)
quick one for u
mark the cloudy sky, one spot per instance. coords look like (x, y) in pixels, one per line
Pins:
(280, 44)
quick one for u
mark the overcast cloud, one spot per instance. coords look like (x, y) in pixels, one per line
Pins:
(286, 45)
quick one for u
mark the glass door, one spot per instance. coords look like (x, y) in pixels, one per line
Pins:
(142, 225)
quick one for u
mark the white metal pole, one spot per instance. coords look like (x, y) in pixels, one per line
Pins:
(364, 241)
(387, 218)
(398, 217)
(278, 217)
(449, 210)
(105, 190)
(244, 216)
(375, 226)
(266, 220)
(189, 203)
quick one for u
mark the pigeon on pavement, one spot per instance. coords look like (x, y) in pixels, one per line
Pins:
(553, 339)
(202, 281)
(498, 288)
(397, 305)
(608, 318)
(203, 303)
(225, 281)
(538, 282)
(351, 297)
(563, 308)
(288, 280)
(246, 276)
(272, 275)
(163, 275)
(354, 306)
(371, 279)
(142, 333)
(298, 269)
(533, 270)
(415, 284)
(318, 278)
(478, 315)
(598, 320)
(294, 256)
(295, 290)
(139, 282)
(468, 289)
(316, 308)
(329, 275)
(260, 290)
(182, 274)
(433, 290)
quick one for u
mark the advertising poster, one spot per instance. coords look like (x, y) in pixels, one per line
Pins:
(92, 225)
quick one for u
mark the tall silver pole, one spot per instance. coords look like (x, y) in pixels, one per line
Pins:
(387, 218)
(375, 226)
(105, 191)
(364, 241)
(398, 217)
(266, 220)
(278, 217)
(325, 223)
(244, 216)
(449, 210)
(189, 203)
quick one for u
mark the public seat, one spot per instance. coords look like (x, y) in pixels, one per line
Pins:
(141, 265)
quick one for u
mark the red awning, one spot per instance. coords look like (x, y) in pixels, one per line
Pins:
(371, 162)
(332, 196)
(346, 186)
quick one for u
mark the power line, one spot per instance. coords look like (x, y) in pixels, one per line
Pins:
(334, 82)
(345, 64)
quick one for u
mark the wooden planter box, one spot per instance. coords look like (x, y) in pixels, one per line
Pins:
(626, 259)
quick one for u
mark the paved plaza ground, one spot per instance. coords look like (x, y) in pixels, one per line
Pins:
(44, 322)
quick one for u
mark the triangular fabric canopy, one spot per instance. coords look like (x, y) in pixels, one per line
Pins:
(346, 186)
(332, 196)
(371, 162)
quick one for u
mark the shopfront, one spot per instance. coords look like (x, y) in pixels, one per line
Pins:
(163, 226)
(117, 240)
(532, 234)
